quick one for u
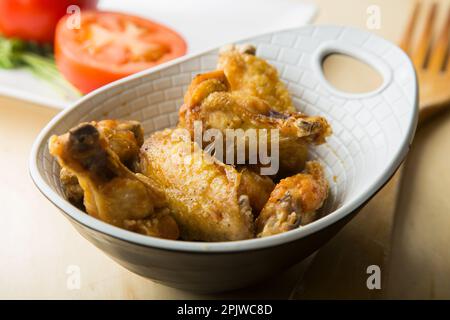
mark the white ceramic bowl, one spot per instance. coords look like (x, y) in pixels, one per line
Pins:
(372, 134)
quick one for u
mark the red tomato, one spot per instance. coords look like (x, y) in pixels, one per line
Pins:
(109, 46)
(35, 19)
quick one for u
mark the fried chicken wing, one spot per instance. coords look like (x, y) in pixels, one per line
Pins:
(233, 110)
(206, 196)
(253, 76)
(124, 137)
(294, 201)
(112, 192)
(210, 102)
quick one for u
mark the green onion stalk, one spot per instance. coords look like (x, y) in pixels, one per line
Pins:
(16, 53)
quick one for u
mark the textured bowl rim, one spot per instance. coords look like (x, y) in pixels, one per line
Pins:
(213, 247)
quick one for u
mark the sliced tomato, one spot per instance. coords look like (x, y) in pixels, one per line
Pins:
(36, 19)
(109, 46)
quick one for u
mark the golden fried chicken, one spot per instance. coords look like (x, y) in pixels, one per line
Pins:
(210, 102)
(124, 137)
(294, 201)
(230, 110)
(257, 188)
(174, 185)
(161, 224)
(253, 76)
(206, 197)
(112, 192)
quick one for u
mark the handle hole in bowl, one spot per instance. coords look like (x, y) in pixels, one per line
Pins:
(349, 74)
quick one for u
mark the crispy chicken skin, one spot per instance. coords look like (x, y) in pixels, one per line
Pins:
(161, 224)
(124, 137)
(209, 101)
(253, 76)
(257, 187)
(293, 156)
(294, 201)
(112, 192)
(206, 196)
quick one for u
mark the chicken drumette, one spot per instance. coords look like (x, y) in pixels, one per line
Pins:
(124, 138)
(294, 201)
(112, 192)
(210, 101)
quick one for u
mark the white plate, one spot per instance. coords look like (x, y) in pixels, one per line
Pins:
(203, 23)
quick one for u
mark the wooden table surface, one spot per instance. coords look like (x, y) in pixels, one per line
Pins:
(403, 230)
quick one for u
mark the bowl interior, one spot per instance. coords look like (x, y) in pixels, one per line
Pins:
(371, 132)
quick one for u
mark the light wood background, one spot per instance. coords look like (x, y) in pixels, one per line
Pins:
(403, 230)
